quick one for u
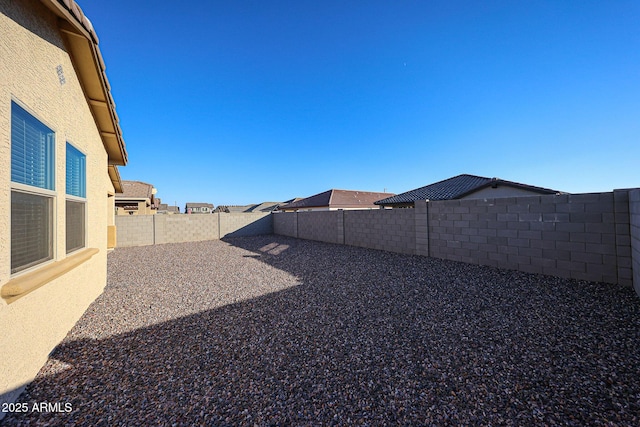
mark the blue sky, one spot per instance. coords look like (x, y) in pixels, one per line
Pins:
(237, 102)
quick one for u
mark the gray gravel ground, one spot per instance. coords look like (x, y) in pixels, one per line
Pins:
(276, 331)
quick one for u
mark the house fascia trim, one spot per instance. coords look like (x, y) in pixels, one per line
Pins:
(82, 45)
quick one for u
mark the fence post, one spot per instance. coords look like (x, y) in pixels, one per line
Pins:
(621, 207)
(634, 213)
(421, 212)
(340, 227)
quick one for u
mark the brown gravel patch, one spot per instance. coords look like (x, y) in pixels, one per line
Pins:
(270, 330)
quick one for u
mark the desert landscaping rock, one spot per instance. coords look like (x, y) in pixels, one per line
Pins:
(270, 330)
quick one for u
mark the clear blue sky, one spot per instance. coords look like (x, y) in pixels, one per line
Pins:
(237, 102)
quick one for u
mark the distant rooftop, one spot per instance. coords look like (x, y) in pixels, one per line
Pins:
(136, 190)
(338, 199)
(456, 188)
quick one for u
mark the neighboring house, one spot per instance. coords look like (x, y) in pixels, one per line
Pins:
(464, 187)
(60, 145)
(332, 200)
(137, 198)
(164, 208)
(198, 208)
(259, 207)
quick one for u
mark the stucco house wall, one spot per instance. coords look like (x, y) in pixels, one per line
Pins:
(33, 51)
(499, 191)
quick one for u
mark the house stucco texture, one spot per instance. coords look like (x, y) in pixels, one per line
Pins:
(41, 303)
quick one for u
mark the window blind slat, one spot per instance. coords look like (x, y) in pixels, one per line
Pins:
(32, 150)
(75, 225)
(76, 172)
(32, 163)
(31, 230)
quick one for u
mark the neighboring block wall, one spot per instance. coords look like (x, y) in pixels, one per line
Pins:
(244, 224)
(134, 230)
(142, 230)
(285, 223)
(389, 230)
(182, 228)
(634, 211)
(581, 236)
(568, 236)
(324, 226)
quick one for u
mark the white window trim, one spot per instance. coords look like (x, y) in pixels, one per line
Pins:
(22, 188)
(77, 199)
(37, 191)
(86, 229)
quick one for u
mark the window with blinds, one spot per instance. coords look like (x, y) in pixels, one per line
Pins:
(32, 178)
(75, 225)
(76, 193)
(32, 150)
(76, 172)
(31, 230)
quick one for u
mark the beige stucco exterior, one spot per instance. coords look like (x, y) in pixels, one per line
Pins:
(32, 49)
(500, 191)
(144, 208)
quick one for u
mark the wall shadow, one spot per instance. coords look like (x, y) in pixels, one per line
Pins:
(367, 338)
(258, 227)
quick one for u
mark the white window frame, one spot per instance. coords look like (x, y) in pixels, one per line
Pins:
(72, 198)
(16, 187)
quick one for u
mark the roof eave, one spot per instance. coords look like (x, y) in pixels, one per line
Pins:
(539, 190)
(82, 46)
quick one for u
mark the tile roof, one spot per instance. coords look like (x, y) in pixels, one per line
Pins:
(338, 199)
(455, 188)
(135, 190)
(259, 207)
(83, 46)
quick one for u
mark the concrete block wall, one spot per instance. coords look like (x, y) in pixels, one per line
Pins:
(421, 220)
(134, 230)
(573, 236)
(285, 224)
(324, 226)
(592, 237)
(142, 230)
(390, 230)
(185, 228)
(244, 224)
(622, 221)
(634, 213)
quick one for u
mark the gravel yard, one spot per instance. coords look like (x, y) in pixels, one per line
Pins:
(270, 330)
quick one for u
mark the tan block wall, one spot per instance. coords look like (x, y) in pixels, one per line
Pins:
(285, 224)
(244, 224)
(31, 48)
(142, 230)
(390, 230)
(593, 237)
(634, 211)
(324, 226)
(184, 228)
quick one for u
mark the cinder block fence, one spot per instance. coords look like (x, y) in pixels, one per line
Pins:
(141, 230)
(582, 236)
